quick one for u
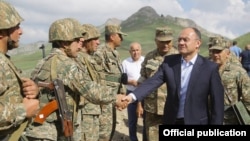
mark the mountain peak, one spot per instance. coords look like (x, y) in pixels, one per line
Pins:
(145, 15)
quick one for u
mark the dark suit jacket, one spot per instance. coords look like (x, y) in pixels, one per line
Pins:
(205, 94)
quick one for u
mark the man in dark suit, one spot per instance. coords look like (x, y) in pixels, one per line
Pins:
(195, 92)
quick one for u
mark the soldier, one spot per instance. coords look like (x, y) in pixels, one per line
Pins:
(214, 40)
(154, 103)
(110, 68)
(90, 112)
(60, 64)
(18, 95)
(234, 79)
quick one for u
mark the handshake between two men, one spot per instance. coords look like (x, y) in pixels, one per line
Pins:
(122, 101)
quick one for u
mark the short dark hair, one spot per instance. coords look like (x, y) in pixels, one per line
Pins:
(234, 43)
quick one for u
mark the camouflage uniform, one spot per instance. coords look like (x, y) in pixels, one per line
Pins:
(154, 103)
(232, 57)
(108, 65)
(90, 112)
(12, 110)
(236, 83)
(76, 79)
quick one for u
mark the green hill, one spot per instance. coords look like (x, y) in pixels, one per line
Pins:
(243, 40)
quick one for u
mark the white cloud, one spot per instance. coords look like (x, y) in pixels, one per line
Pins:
(227, 17)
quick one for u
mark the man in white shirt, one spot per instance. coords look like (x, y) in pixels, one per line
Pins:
(132, 66)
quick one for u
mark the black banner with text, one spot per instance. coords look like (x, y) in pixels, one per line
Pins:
(199, 132)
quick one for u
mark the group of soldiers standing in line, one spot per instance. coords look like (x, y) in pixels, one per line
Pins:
(92, 80)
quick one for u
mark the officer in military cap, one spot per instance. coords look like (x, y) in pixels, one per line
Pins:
(212, 40)
(109, 66)
(234, 79)
(215, 40)
(77, 82)
(154, 103)
(18, 95)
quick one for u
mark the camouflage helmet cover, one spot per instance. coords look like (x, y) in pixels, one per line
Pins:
(220, 44)
(214, 39)
(163, 34)
(66, 29)
(91, 31)
(9, 16)
(109, 29)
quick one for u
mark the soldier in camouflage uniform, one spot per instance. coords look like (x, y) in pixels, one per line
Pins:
(154, 103)
(110, 69)
(234, 79)
(232, 57)
(17, 95)
(66, 38)
(89, 111)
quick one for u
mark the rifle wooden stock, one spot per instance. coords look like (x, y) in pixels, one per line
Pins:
(68, 128)
(46, 111)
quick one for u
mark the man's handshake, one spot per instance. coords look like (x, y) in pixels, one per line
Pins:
(122, 101)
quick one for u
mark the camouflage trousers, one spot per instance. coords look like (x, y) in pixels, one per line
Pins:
(152, 122)
(86, 127)
(106, 122)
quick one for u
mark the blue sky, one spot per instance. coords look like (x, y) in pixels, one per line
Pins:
(230, 18)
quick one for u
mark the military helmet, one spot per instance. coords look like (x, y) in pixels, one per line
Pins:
(9, 16)
(91, 31)
(109, 29)
(66, 29)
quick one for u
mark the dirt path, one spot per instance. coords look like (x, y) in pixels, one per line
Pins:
(121, 133)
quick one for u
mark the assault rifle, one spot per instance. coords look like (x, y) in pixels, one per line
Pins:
(59, 103)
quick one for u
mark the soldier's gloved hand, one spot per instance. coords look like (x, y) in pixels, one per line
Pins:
(29, 88)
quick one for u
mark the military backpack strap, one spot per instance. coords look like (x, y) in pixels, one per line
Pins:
(90, 70)
(53, 73)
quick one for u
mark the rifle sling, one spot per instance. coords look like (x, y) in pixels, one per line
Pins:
(17, 133)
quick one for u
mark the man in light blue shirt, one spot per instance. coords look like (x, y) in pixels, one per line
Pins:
(195, 92)
(235, 49)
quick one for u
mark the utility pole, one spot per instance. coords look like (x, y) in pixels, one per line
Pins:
(43, 50)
